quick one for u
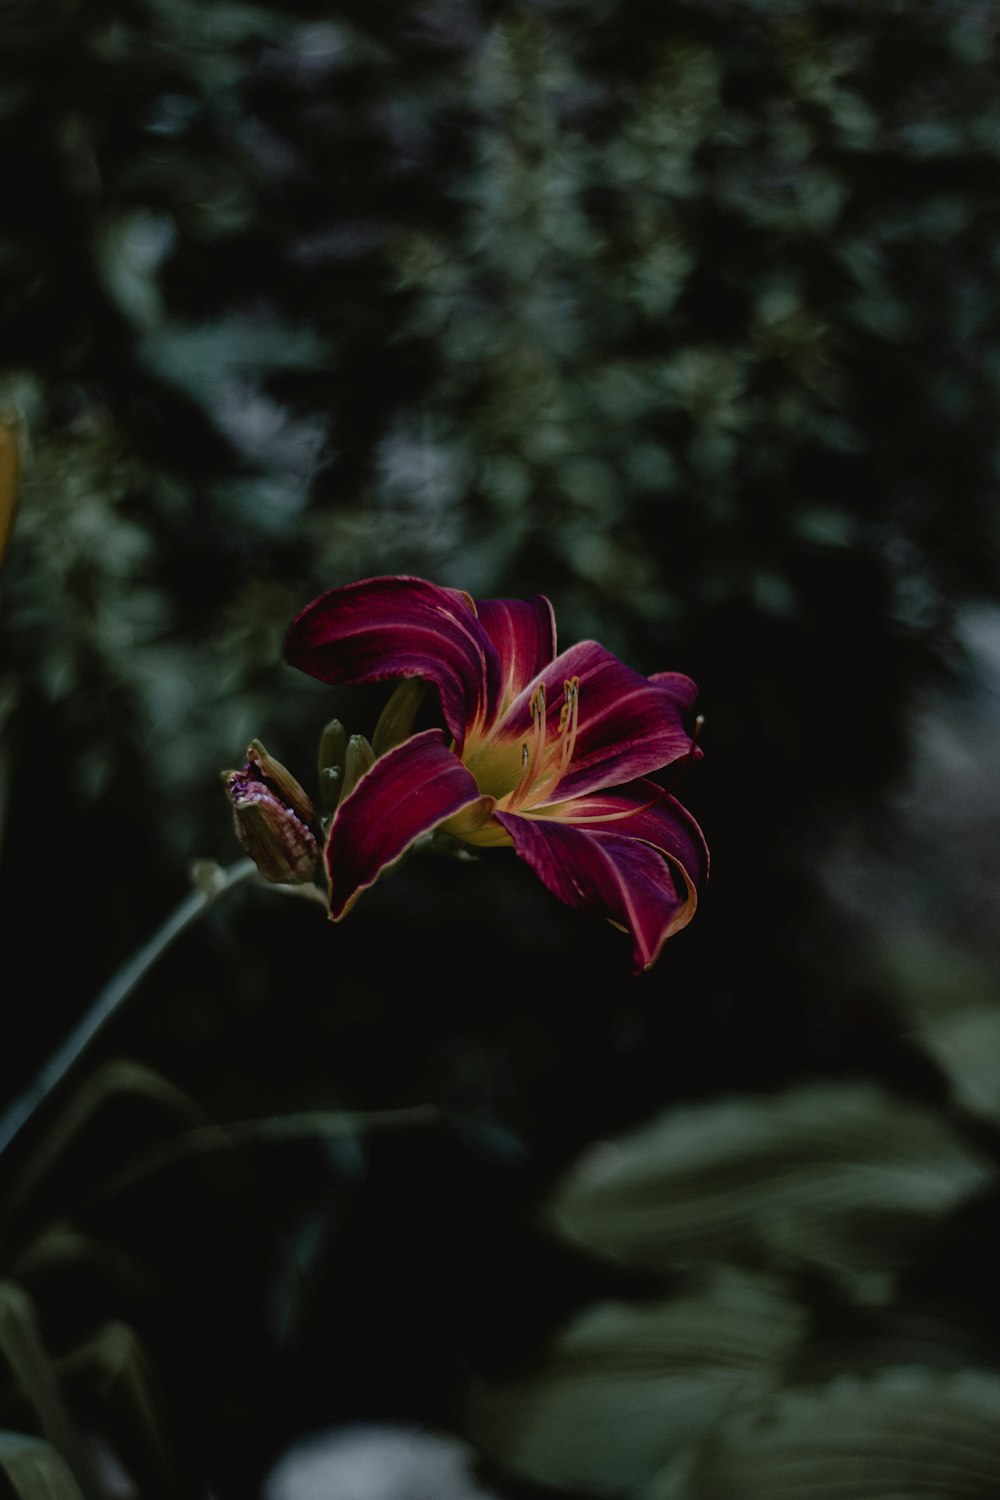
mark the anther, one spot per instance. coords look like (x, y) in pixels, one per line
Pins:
(569, 724)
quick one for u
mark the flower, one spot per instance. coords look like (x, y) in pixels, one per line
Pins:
(548, 753)
(275, 820)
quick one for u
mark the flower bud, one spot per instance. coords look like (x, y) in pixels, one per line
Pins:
(331, 781)
(332, 757)
(399, 715)
(274, 819)
(360, 758)
(273, 774)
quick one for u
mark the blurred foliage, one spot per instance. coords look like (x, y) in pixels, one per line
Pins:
(688, 317)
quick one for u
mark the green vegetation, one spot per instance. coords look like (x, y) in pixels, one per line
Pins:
(688, 317)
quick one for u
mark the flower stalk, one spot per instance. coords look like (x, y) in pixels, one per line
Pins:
(211, 883)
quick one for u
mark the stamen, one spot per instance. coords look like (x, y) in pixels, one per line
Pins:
(522, 781)
(538, 730)
(569, 721)
(538, 711)
(533, 758)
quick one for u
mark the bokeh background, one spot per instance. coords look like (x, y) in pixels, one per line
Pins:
(689, 317)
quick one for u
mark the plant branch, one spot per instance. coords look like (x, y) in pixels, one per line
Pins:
(211, 883)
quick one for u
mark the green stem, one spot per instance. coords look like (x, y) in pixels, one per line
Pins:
(117, 990)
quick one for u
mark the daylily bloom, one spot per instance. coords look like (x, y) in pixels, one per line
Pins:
(548, 753)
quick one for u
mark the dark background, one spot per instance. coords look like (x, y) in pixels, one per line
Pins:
(689, 317)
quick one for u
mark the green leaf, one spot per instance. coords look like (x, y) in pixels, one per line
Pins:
(625, 1387)
(843, 1178)
(966, 1045)
(117, 1080)
(947, 995)
(35, 1470)
(902, 1435)
(110, 1377)
(22, 1349)
(312, 1125)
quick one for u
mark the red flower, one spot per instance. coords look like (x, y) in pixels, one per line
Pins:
(550, 754)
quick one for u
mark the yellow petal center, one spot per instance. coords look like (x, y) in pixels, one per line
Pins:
(522, 774)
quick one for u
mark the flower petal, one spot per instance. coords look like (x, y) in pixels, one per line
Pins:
(524, 634)
(642, 810)
(618, 875)
(408, 792)
(629, 725)
(681, 688)
(402, 627)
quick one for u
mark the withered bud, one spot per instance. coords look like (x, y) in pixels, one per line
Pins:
(275, 821)
(273, 774)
